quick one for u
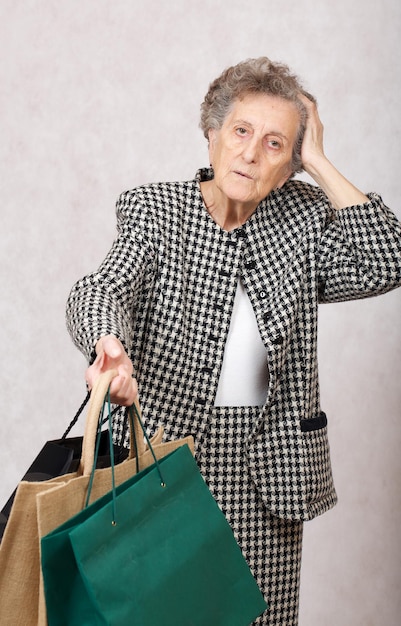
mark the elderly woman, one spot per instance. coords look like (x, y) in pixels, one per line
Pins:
(207, 302)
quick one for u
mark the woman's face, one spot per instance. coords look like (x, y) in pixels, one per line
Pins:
(251, 153)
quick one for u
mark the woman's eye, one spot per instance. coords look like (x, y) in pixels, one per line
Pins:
(273, 143)
(241, 131)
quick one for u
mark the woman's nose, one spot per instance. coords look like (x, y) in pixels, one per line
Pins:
(251, 149)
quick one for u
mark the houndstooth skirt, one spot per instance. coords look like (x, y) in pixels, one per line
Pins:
(271, 546)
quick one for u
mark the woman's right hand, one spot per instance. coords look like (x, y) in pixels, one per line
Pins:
(112, 355)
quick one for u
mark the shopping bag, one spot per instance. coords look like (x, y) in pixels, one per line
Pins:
(58, 457)
(39, 507)
(53, 460)
(155, 551)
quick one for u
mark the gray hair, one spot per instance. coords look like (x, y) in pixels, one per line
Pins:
(260, 76)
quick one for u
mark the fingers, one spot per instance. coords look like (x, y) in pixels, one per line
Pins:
(111, 346)
(312, 151)
(124, 388)
(313, 119)
(307, 99)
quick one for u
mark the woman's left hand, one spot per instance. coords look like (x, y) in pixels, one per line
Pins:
(340, 191)
(312, 146)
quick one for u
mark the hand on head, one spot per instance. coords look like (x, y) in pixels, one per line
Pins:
(312, 145)
(112, 355)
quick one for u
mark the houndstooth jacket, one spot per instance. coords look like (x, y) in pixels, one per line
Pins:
(167, 288)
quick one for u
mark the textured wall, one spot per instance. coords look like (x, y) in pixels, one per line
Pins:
(97, 96)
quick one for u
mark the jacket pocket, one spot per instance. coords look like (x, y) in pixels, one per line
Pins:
(314, 423)
(318, 472)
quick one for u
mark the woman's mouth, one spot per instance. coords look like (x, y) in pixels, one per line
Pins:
(243, 174)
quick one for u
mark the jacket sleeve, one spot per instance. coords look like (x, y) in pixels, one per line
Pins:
(104, 301)
(360, 253)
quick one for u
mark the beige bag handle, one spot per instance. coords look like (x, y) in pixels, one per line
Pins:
(95, 404)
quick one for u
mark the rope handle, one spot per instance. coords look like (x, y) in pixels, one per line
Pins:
(76, 416)
(78, 413)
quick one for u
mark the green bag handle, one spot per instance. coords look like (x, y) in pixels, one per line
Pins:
(101, 398)
(135, 423)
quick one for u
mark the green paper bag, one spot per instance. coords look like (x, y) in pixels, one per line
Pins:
(158, 553)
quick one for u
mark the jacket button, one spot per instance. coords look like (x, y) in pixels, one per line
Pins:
(262, 294)
(321, 288)
(250, 265)
(278, 340)
(267, 316)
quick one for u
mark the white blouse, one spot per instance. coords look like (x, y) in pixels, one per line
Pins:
(244, 376)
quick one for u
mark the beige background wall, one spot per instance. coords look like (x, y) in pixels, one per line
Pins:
(98, 96)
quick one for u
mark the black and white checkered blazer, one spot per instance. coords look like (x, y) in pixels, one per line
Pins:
(167, 287)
